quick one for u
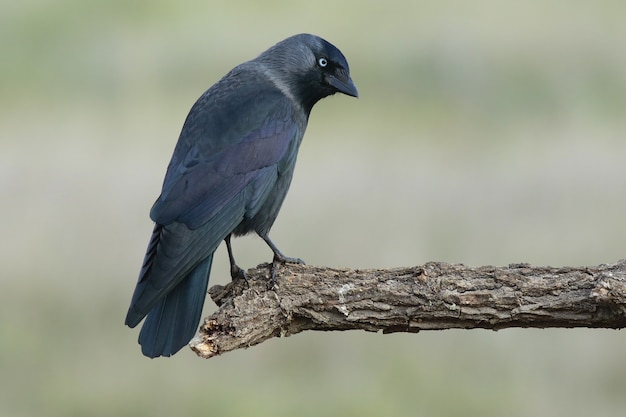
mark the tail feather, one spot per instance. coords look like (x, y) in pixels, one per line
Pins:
(172, 323)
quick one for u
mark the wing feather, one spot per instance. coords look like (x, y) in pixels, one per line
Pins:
(224, 166)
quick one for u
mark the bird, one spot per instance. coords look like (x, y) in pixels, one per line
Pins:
(228, 176)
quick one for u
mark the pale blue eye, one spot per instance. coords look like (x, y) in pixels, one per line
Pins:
(322, 62)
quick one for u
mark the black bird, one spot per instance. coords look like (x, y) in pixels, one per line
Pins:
(228, 176)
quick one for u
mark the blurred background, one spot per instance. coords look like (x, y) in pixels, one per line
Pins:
(487, 133)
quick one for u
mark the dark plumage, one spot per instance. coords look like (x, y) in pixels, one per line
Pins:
(229, 175)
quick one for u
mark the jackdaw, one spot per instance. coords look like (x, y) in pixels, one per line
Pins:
(228, 176)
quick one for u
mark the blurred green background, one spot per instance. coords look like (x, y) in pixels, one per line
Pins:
(487, 132)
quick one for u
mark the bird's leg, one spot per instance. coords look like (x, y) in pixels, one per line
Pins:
(235, 271)
(279, 257)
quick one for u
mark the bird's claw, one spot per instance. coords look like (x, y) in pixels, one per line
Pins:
(280, 259)
(238, 274)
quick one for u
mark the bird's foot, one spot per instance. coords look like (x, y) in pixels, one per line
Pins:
(280, 259)
(238, 274)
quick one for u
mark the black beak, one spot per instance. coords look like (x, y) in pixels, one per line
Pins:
(343, 83)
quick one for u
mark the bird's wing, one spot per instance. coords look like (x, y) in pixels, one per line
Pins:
(219, 172)
(215, 162)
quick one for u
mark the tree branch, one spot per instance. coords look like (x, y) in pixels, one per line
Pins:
(434, 296)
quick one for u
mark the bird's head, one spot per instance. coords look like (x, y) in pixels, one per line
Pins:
(310, 68)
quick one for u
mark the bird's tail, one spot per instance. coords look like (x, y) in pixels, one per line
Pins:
(172, 323)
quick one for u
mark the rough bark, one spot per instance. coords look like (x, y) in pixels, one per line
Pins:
(435, 296)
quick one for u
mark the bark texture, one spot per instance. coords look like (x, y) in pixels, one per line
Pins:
(435, 296)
